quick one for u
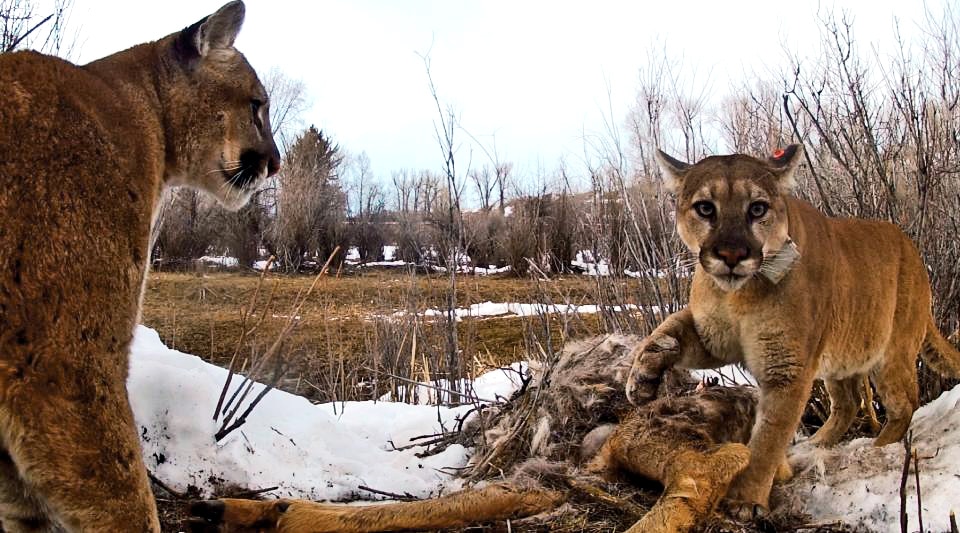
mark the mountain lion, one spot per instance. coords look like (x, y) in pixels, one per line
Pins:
(84, 154)
(792, 295)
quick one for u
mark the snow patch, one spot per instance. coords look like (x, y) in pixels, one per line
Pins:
(322, 452)
(860, 484)
(492, 309)
(219, 260)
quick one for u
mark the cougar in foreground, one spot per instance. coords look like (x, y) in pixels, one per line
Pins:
(84, 154)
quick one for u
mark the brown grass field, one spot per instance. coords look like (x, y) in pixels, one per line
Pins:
(343, 329)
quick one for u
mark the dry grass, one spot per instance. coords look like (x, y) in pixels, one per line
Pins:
(342, 324)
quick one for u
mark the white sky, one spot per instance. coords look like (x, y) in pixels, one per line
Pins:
(534, 75)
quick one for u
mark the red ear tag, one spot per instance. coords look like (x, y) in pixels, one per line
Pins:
(778, 153)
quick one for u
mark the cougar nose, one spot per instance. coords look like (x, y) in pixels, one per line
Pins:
(273, 166)
(732, 255)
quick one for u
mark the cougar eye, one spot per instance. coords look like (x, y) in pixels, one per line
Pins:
(705, 209)
(758, 209)
(255, 106)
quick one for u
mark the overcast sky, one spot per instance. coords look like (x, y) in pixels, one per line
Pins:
(532, 78)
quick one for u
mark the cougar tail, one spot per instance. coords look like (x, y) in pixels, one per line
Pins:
(939, 353)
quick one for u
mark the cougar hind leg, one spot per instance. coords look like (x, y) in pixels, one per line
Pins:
(844, 405)
(896, 381)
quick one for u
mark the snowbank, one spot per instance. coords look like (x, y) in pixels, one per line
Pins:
(322, 452)
(860, 484)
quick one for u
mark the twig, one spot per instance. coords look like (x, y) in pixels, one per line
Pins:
(19, 40)
(165, 487)
(916, 473)
(270, 354)
(472, 397)
(600, 495)
(243, 335)
(391, 495)
(254, 492)
(907, 440)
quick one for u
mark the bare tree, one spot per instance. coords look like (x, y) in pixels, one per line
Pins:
(311, 207)
(186, 232)
(288, 102)
(367, 208)
(452, 245)
(24, 25)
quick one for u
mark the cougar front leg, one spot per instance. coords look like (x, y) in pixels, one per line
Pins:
(675, 342)
(80, 454)
(784, 389)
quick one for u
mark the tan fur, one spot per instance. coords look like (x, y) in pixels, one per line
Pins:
(857, 302)
(494, 502)
(84, 154)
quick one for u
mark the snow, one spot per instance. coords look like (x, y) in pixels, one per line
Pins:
(322, 452)
(219, 260)
(491, 309)
(385, 264)
(493, 386)
(490, 270)
(389, 252)
(728, 375)
(589, 264)
(860, 483)
(260, 265)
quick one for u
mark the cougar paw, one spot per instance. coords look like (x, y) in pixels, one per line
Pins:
(746, 511)
(652, 358)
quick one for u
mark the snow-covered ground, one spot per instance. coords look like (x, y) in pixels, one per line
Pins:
(860, 483)
(328, 451)
(320, 452)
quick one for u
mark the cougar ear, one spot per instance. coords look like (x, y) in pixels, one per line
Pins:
(215, 32)
(784, 163)
(673, 170)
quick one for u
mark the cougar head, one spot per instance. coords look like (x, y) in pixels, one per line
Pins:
(216, 111)
(731, 212)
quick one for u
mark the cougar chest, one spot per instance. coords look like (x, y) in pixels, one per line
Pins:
(719, 331)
